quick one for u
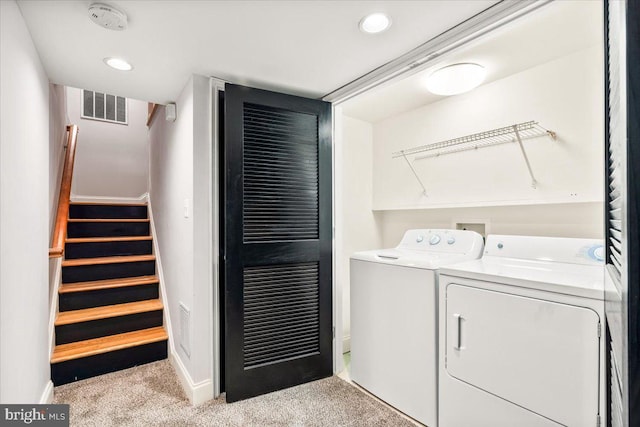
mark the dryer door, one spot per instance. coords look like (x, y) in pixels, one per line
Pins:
(540, 355)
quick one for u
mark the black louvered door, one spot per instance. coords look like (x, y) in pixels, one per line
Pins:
(622, 210)
(278, 326)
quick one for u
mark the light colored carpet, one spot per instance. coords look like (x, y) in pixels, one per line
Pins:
(150, 395)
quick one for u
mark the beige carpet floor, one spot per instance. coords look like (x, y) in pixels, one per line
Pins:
(150, 395)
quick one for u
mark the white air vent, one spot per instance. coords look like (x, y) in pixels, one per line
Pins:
(185, 342)
(105, 107)
(108, 17)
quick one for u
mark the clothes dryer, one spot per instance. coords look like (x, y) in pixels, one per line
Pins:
(521, 335)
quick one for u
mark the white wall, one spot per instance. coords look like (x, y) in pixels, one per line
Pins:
(564, 95)
(58, 121)
(112, 160)
(583, 220)
(489, 185)
(24, 213)
(179, 174)
(357, 227)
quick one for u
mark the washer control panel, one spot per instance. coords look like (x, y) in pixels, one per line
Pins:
(441, 240)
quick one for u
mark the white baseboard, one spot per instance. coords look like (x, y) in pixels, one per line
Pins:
(108, 199)
(197, 393)
(47, 394)
(346, 344)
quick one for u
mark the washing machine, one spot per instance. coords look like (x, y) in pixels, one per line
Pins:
(521, 335)
(394, 317)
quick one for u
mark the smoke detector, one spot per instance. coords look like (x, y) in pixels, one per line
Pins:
(108, 17)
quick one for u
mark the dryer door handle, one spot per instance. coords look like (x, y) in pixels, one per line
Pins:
(457, 329)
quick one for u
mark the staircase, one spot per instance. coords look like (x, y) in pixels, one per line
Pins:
(110, 315)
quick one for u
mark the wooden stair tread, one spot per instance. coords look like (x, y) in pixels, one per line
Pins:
(78, 220)
(106, 239)
(79, 349)
(107, 260)
(107, 311)
(107, 284)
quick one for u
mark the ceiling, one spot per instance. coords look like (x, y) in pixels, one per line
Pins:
(548, 33)
(307, 48)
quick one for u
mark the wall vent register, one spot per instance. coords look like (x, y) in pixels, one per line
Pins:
(104, 107)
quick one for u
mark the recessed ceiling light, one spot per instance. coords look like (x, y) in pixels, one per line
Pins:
(118, 64)
(456, 78)
(375, 23)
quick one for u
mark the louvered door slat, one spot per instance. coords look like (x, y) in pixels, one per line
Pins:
(281, 323)
(281, 349)
(265, 277)
(616, 244)
(616, 234)
(256, 317)
(615, 213)
(616, 203)
(279, 144)
(283, 330)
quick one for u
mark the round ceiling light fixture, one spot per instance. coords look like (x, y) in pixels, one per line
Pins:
(375, 23)
(108, 17)
(118, 64)
(456, 78)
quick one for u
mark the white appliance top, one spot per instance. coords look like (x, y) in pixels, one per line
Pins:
(562, 265)
(428, 248)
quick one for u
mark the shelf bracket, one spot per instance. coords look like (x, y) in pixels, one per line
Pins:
(524, 154)
(424, 190)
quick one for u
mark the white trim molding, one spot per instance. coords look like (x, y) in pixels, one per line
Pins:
(337, 238)
(53, 305)
(161, 282)
(47, 394)
(216, 87)
(197, 393)
(143, 198)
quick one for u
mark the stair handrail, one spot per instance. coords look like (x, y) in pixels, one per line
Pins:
(62, 215)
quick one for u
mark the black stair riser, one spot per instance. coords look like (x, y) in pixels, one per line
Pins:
(111, 326)
(87, 273)
(107, 229)
(87, 367)
(107, 211)
(101, 297)
(106, 249)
